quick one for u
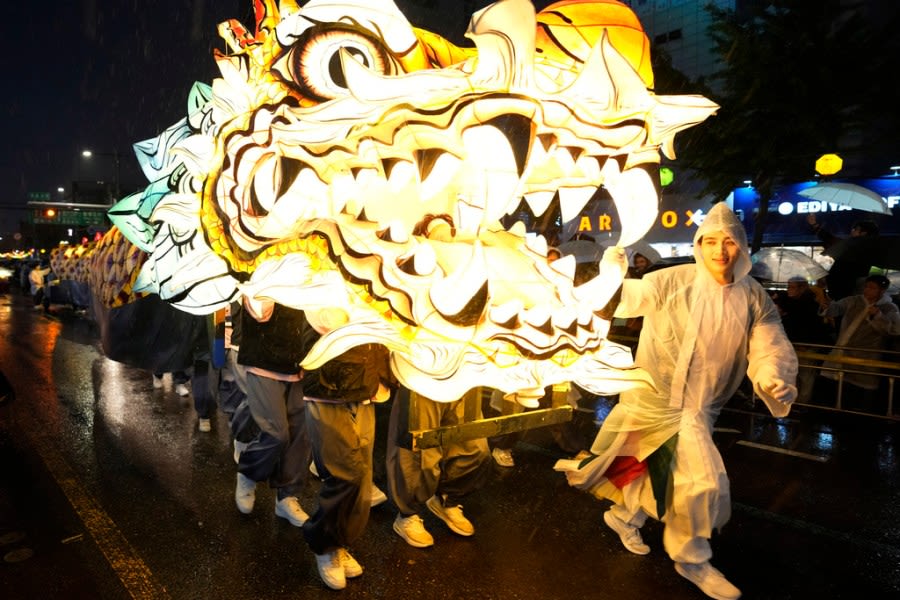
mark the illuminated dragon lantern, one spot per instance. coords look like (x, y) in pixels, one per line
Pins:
(336, 128)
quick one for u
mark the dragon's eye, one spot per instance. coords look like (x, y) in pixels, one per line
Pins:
(312, 65)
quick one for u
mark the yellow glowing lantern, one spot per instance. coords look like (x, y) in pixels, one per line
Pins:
(829, 164)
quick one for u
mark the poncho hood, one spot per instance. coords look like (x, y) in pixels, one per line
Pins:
(722, 218)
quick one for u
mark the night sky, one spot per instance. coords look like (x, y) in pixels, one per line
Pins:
(101, 75)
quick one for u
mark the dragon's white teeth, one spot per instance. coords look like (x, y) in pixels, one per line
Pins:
(403, 174)
(396, 232)
(565, 266)
(564, 159)
(468, 218)
(589, 167)
(537, 244)
(450, 294)
(598, 291)
(424, 259)
(538, 153)
(572, 200)
(353, 206)
(442, 173)
(601, 328)
(518, 229)
(489, 177)
(584, 313)
(501, 190)
(537, 316)
(343, 193)
(610, 171)
(506, 312)
(539, 201)
(637, 203)
(564, 317)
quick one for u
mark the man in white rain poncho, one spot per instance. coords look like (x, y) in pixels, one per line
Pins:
(705, 325)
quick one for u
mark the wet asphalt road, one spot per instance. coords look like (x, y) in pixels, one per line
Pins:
(107, 490)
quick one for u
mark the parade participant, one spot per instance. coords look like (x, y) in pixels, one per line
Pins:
(437, 478)
(340, 417)
(705, 326)
(271, 351)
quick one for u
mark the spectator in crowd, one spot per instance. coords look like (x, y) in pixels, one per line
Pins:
(855, 260)
(799, 308)
(868, 321)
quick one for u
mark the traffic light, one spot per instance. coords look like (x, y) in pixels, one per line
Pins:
(50, 213)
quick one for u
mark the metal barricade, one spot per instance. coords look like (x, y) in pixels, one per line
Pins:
(825, 360)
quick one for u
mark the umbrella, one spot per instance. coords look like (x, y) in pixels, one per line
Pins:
(782, 264)
(644, 249)
(894, 278)
(877, 251)
(582, 250)
(848, 194)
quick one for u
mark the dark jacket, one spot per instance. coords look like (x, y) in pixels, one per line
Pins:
(351, 377)
(275, 345)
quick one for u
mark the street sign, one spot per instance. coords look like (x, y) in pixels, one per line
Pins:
(78, 218)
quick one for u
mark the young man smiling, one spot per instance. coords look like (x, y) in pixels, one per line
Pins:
(706, 325)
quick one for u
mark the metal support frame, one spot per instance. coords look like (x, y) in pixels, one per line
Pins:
(514, 418)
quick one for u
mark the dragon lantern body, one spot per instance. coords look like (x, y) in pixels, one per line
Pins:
(300, 175)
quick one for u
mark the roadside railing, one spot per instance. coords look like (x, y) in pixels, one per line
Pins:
(884, 365)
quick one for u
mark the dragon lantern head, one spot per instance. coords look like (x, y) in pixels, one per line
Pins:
(307, 173)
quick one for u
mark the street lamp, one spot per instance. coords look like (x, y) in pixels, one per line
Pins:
(115, 156)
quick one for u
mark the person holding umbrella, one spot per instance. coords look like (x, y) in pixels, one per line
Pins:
(854, 259)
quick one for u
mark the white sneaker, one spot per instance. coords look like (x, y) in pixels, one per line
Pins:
(451, 515)
(245, 493)
(378, 496)
(204, 425)
(628, 534)
(413, 531)
(239, 448)
(709, 579)
(182, 390)
(157, 382)
(331, 569)
(351, 567)
(289, 508)
(503, 457)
